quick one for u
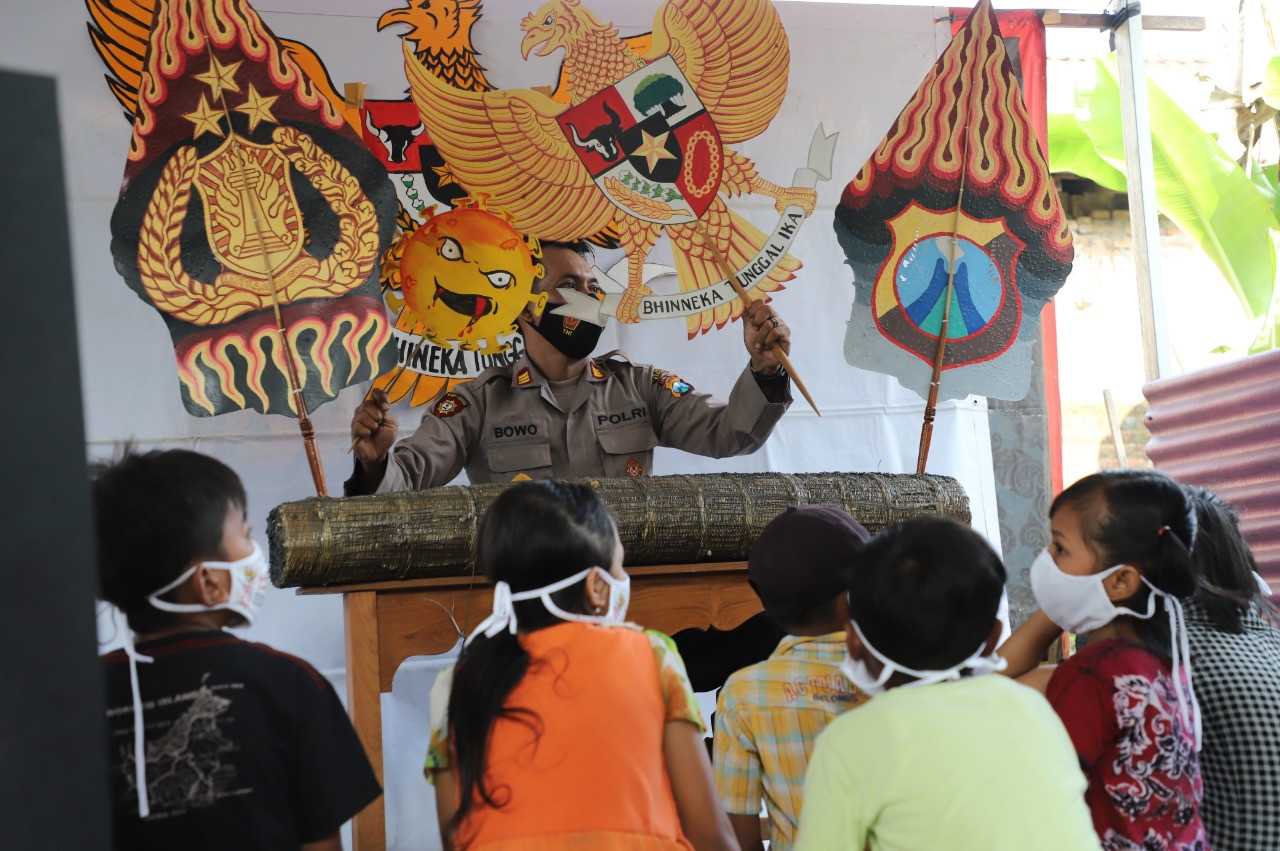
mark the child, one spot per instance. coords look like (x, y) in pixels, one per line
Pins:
(1235, 646)
(566, 727)
(1120, 553)
(769, 714)
(215, 742)
(940, 756)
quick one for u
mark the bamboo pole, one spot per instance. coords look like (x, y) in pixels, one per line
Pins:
(732, 277)
(291, 368)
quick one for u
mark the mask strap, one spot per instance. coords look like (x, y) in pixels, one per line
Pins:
(1188, 707)
(139, 743)
(502, 617)
(601, 620)
(504, 613)
(980, 663)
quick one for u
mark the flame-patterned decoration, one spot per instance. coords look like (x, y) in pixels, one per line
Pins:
(955, 213)
(246, 190)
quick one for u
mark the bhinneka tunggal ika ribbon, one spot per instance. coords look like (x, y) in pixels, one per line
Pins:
(955, 232)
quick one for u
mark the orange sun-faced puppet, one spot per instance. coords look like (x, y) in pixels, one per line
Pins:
(466, 274)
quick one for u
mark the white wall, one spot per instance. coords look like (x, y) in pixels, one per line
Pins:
(852, 68)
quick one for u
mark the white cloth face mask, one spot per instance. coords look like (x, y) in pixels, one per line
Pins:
(248, 586)
(858, 673)
(504, 613)
(1079, 603)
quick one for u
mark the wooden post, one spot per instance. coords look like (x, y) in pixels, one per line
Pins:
(364, 705)
(1144, 216)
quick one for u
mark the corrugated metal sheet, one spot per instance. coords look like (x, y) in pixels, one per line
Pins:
(1220, 428)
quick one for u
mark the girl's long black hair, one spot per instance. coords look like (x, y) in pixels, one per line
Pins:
(1227, 586)
(1145, 519)
(534, 534)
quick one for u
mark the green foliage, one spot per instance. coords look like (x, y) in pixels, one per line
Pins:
(1206, 193)
(1271, 83)
(1071, 150)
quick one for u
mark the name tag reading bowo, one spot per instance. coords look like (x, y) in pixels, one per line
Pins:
(677, 386)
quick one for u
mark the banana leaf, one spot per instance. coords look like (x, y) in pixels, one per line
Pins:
(1271, 83)
(1071, 150)
(1206, 193)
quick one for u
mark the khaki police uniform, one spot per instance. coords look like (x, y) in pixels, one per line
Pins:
(506, 424)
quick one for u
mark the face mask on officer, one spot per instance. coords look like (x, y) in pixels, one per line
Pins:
(571, 337)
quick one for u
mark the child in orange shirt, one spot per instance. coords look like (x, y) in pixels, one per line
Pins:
(566, 726)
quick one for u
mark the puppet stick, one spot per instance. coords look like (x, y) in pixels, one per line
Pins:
(732, 277)
(422, 338)
(291, 368)
(931, 404)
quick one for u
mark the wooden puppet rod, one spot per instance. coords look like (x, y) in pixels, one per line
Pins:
(395, 376)
(732, 277)
(291, 367)
(1052, 18)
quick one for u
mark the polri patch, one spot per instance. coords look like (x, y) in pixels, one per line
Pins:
(635, 469)
(523, 377)
(449, 404)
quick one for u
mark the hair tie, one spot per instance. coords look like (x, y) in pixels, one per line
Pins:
(1163, 530)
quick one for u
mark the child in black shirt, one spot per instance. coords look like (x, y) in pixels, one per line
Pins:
(232, 744)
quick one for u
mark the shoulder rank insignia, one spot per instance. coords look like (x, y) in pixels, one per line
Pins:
(523, 377)
(522, 477)
(596, 371)
(671, 382)
(449, 404)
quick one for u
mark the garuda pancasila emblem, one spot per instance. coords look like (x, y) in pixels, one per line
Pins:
(643, 145)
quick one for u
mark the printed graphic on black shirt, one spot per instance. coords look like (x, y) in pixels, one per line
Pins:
(189, 762)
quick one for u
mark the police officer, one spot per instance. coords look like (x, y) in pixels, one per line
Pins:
(556, 411)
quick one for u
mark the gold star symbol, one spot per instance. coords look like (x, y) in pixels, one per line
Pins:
(205, 118)
(220, 78)
(654, 148)
(257, 107)
(445, 175)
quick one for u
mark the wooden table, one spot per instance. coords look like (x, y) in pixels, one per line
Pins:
(387, 622)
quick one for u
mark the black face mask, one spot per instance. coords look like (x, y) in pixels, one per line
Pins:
(573, 338)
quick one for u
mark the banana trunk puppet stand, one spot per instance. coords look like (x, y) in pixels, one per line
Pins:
(404, 563)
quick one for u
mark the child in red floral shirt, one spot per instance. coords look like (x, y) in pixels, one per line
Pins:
(1118, 563)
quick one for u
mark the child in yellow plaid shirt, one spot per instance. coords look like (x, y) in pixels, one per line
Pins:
(769, 714)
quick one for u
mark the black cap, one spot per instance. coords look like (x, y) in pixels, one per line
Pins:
(802, 558)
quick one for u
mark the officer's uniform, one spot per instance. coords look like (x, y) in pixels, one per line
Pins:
(506, 424)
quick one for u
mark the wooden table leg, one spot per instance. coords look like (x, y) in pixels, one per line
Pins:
(364, 704)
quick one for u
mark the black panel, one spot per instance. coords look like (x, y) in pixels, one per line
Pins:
(52, 733)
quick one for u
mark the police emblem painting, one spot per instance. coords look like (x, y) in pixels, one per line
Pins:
(246, 193)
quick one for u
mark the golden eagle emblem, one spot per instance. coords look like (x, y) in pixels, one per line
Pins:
(714, 75)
